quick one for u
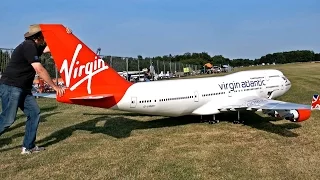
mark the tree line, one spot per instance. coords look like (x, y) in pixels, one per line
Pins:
(278, 58)
(195, 58)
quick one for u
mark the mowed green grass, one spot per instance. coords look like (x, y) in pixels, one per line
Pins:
(92, 143)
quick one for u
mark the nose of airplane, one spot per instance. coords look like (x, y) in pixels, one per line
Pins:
(288, 84)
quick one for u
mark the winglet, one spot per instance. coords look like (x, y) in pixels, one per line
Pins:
(315, 104)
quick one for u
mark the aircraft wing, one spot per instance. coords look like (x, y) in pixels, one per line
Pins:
(264, 104)
(247, 103)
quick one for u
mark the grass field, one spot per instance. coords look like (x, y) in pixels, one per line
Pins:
(92, 143)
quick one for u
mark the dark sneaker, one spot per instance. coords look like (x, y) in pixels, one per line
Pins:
(33, 150)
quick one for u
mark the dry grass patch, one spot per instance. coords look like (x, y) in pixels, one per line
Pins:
(92, 143)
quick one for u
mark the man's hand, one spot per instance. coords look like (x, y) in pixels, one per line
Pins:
(69, 31)
(59, 90)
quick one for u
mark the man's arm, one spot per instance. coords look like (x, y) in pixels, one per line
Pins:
(46, 49)
(43, 73)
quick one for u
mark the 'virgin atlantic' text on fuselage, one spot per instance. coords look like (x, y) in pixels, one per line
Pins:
(242, 84)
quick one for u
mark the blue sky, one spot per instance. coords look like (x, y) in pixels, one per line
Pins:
(232, 28)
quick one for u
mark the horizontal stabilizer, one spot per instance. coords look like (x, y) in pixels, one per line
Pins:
(93, 97)
(45, 95)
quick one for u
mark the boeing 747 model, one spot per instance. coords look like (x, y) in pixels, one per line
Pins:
(92, 82)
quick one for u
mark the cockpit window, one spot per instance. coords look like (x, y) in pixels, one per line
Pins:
(284, 78)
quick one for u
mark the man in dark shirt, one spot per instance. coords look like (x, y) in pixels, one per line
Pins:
(16, 85)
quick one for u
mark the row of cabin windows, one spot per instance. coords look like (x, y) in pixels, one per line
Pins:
(218, 93)
(276, 86)
(250, 89)
(213, 94)
(257, 77)
(147, 101)
(168, 99)
(264, 77)
(203, 95)
(177, 98)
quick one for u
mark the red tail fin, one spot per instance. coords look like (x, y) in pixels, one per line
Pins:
(82, 71)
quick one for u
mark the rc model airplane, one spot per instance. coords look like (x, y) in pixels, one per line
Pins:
(92, 82)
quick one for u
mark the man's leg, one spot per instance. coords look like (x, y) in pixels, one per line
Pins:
(32, 111)
(10, 97)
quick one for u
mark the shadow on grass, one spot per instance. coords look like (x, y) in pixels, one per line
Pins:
(118, 127)
(251, 119)
(263, 123)
(121, 127)
(43, 118)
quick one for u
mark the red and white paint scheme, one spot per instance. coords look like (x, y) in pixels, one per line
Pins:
(92, 82)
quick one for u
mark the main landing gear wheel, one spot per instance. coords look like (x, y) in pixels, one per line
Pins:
(213, 121)
(238, 121)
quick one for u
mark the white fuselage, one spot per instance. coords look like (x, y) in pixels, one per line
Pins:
(183, 96)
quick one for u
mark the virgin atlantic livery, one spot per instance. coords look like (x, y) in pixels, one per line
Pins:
(90, 81)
